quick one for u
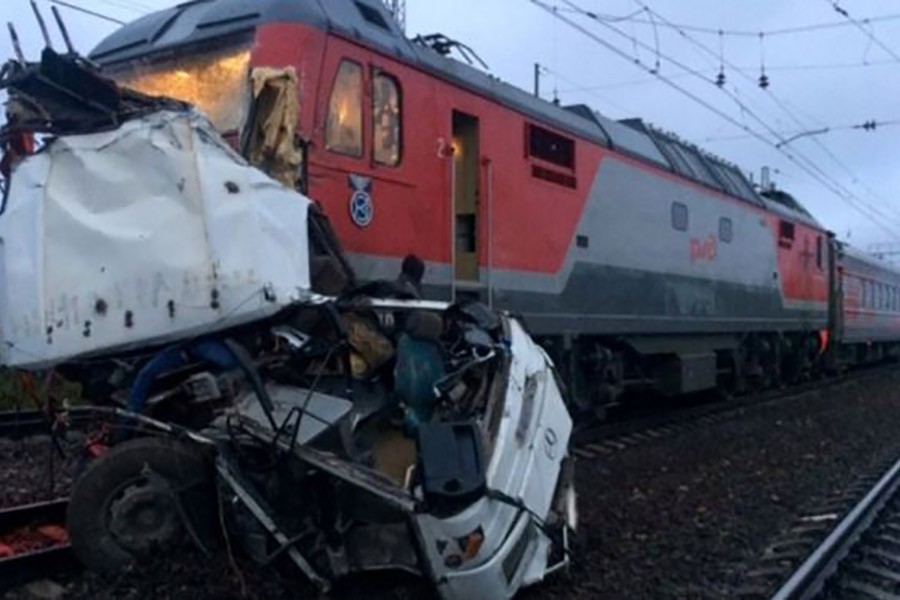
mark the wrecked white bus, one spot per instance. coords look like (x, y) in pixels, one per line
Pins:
(338, 428)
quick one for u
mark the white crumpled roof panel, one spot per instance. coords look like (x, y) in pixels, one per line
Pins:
(150, 233)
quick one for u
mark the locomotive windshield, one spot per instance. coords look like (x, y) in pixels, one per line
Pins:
(216, 82)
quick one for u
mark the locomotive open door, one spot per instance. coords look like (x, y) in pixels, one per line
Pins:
(466, 183)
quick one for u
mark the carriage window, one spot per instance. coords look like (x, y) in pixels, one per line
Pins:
(679, 216)
(725, 231)
(819, 252)
(553, 148)
(386, 115)
(786, 234)
(343, 133)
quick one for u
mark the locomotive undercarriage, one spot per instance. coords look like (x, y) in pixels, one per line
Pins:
(605, 373)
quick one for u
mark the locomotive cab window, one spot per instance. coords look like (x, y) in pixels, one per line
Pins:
(551, 147)
(343, 131)
(679, 216)
(387, 119)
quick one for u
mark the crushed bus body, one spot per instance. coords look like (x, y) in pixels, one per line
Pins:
(337, 428)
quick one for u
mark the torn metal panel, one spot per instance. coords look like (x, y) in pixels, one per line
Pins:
(145, 234)
(271, 135)
(530, 442)
(64, 95)
(313, 411)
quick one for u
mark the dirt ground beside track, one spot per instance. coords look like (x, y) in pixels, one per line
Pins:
(679, 517)
(32, 471)
(684, 517)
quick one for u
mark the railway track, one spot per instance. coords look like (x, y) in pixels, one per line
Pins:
(860, 557)
(24, 423)
(34, 542)
(598, 441)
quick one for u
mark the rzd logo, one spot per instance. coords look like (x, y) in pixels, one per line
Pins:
(704, 249)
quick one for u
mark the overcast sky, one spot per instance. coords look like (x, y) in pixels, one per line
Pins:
(832, 78)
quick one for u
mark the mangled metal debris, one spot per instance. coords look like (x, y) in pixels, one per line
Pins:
(445, 457)
(341, 433)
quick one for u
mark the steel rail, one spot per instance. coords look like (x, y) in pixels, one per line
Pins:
(50, 560)
(23, 423)
(809, 579)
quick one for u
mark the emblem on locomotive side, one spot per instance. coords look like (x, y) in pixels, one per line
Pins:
(704, 249)
(362, 210)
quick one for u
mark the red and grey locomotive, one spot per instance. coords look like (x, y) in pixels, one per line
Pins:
(635, 257)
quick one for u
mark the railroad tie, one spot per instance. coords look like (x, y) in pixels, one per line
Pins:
(870, 590)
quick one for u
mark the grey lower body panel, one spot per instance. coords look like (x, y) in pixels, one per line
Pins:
(604, 300)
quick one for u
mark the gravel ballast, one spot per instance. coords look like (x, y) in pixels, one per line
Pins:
(686, 516)
(33, 470)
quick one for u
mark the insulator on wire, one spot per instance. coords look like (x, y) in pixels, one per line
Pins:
(720, 78)
(763, 78)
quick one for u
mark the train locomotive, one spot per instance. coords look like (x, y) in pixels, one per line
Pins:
(636, 258)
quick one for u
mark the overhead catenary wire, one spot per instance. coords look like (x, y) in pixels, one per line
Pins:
(805, 130)
(867, 126)
(130, 5)
(801, 161)
(636, 18)
(577, 87)
(872, 37)
(769, 68)
(89, 12)
(874, 214)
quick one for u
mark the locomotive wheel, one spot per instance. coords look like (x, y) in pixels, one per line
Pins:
(137, 500)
